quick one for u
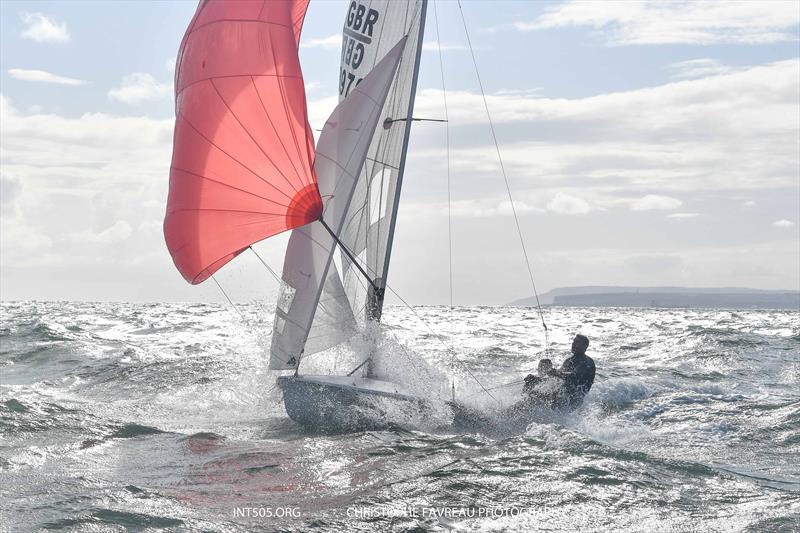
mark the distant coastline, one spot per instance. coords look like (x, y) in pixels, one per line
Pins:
(667, 297)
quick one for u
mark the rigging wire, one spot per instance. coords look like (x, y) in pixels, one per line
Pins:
(447, 144)
(447, 348)
(360, 281)
(269, 390)
(507, 383)
(449, 199)
(229, 300)
(274, 275)
(505, 179)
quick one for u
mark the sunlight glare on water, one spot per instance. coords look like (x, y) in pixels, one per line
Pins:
(165, 416)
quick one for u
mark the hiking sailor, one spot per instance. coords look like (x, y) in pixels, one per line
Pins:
(576, 377)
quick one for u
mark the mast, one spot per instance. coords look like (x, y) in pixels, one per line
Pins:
(376, 296)
(349, 302)
(307, 270)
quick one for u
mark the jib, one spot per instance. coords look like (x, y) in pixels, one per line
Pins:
(357, 21)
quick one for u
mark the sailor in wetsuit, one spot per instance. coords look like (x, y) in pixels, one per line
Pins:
(557, 389)
(576, 374)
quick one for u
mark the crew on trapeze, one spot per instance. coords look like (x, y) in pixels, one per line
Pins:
(565, 387)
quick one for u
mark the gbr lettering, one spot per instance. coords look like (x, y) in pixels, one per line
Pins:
(358, 33)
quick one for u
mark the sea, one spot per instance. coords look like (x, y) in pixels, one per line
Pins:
(164, 417)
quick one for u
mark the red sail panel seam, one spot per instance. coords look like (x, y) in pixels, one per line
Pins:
(239, 122)
(219, 210)
(272, 124)
(212, 22)
(209, 141)
(201, 80)
(200, 176)
(283, 98)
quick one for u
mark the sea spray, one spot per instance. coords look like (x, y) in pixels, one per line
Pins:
(164, 415)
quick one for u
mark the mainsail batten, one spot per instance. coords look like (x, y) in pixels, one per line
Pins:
(307, 273)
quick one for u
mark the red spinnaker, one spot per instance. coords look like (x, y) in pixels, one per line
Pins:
(242, 160)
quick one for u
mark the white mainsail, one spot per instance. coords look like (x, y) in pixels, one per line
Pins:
(340, 155)
(371, 28)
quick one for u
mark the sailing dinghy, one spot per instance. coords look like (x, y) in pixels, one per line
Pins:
(244, 168)
(337, 306)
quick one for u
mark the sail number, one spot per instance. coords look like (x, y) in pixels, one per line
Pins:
(346, 80)
(357, 33)
(360, 19)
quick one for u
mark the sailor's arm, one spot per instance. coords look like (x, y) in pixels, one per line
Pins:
(563, 374)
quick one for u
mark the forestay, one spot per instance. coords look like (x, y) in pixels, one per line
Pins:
(340, 155)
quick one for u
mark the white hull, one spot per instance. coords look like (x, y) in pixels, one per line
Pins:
(345, 403)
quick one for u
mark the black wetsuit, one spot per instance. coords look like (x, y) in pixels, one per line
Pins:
(578, 375)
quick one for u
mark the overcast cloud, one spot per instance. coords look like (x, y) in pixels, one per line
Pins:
(687, 176)
(631, 22)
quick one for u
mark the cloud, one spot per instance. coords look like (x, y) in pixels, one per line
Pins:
(116, 233)
(87, 181)
(681, 216)
(654, 201)
(707, 266)
(319, 110)
(139, 87)
(783, 223)
(21, 241)
(331, 42)
(83, 156)
(10, 189)
(479, 208)
(734, 131)
(49, 138)
(42, 29)
(689, 22)
(698, 68)
(677, 101)
(749, 204)
(653, 263)
(565, 204)
(42, 76)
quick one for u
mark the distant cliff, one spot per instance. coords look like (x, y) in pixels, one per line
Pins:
(725, 297)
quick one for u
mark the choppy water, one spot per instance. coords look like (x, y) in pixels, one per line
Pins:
(163, 416)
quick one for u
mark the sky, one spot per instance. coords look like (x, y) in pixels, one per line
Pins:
(646, 143)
